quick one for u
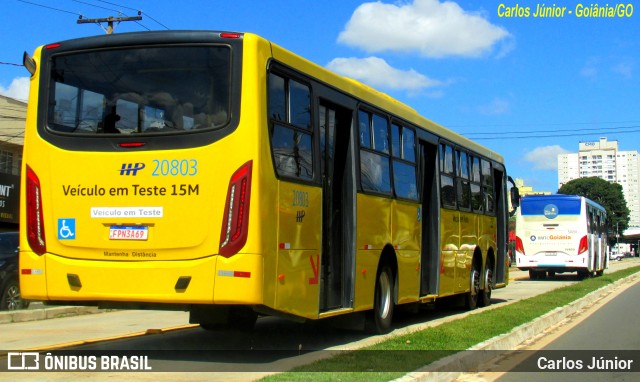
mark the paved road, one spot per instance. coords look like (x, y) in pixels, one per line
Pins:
(39, 334)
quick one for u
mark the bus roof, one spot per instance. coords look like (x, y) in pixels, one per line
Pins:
(561, 198)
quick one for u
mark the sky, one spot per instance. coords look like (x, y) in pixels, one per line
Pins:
(528, 87)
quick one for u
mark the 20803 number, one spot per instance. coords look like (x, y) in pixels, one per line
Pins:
(300, 198)
(175, 167)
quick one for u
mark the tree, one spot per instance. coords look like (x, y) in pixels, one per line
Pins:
(608, 195)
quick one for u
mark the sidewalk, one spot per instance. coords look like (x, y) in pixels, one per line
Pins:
(37, 327)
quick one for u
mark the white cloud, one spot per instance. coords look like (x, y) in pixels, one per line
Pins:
(625, 69)
(496, 107)
(377, 73)
(429, 27)
(18, 89)
(545, 157)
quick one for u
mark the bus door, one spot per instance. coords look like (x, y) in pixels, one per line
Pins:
(338, 208)
(430, 216)
(502, 212)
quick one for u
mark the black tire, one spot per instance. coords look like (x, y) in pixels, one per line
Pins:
(551, 274)
(11, 299)
(485, 294)
(383, 304)
(471, 298)
(537, 275)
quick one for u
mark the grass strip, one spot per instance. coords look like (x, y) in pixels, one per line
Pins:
(373, 363)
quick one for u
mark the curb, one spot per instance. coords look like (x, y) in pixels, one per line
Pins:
(505, 343)
(47, 312)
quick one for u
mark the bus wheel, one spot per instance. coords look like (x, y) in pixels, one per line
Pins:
(380, 323)
(471, 300)
(485, 294)
(537, 275)
(583, 274)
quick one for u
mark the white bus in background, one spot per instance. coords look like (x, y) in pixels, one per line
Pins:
(561, 233)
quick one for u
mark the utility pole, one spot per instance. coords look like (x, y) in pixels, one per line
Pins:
(109, 20)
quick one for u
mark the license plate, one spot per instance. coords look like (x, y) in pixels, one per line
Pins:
(122, 232)
(551, 253)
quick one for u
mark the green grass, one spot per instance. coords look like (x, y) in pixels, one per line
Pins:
(374, 362)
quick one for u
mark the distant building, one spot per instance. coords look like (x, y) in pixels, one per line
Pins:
(604, 160)
(528, 190)
(12, 121)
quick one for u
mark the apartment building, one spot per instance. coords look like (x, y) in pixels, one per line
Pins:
(603, 159)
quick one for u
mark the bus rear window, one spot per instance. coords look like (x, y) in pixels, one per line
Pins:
(140, 90)
(543, 207)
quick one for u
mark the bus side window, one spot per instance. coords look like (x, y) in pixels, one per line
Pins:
(476, 189)
(277, 108)
(404, 168)
(375, 171)
(487, 187)
(463, 186)
(365, 129)
(291, 133)
(447, 176)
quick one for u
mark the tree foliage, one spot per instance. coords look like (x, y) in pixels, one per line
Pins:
(608, 195)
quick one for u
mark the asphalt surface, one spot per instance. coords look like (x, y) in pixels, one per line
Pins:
(35, 328)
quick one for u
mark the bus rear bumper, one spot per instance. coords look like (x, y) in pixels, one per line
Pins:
(208, 280)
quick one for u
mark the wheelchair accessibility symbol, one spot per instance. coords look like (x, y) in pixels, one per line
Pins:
(66, 229)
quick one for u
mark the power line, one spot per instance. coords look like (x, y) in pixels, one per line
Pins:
(140, 12)
(552, 131)
(48, 7)
(149, 16)
(118, 5)
(555, 135)
(97, 6)
(10, 63)
(540, 124)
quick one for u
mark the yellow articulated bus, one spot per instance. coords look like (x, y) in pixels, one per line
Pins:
(222, 174)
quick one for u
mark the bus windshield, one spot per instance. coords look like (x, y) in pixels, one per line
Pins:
(144, 90)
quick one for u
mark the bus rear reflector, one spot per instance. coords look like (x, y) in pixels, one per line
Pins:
(519, 245)
(35, 220)
(584, 245)
(235, 221)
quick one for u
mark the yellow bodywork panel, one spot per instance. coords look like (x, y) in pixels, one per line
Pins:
(299, 246)
(392, 224)
(212, 280)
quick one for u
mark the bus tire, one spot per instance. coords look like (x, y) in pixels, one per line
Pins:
(485, 294)
(471, 298)
(537, 275)
(383, 304)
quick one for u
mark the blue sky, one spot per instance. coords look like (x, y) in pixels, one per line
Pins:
(527, 87)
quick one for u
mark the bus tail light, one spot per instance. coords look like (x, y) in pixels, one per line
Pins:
(235, 223)
(519, 245)
(584, 245)
(35, 219)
